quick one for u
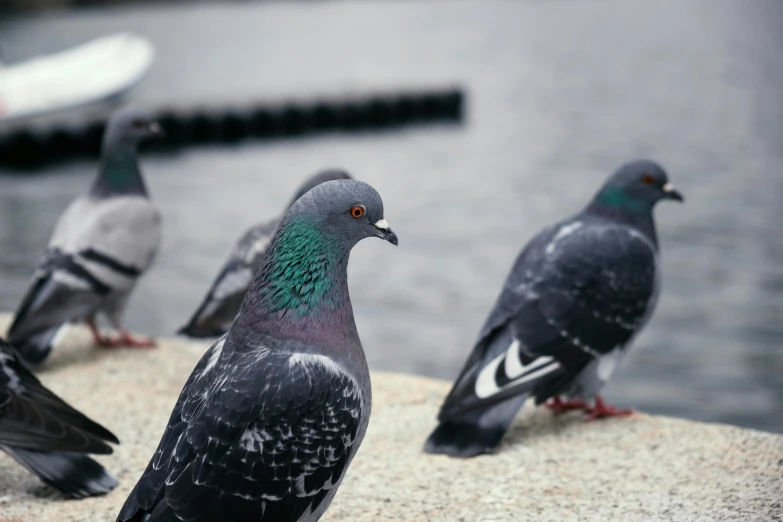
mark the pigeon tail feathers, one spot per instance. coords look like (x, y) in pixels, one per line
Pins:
(214, 316)
(476, 432)
(75, 475)
(200, 330)
(35, 348)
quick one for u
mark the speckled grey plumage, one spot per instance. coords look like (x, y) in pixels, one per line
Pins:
(272, 415)
(575, 298)
(221, 304)
(100, 246)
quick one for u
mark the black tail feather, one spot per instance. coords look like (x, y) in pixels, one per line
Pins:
(213, 317)
(75, 475)
(474, 433)
(35, 348)
(201, 331)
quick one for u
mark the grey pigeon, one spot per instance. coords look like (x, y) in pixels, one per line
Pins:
(100, 246)
(46, 435)
(272, 415)
(575, 298)
(220, 306)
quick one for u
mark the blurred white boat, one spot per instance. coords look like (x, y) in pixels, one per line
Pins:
(90, 72)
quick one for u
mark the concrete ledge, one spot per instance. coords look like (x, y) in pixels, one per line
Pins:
(643, 468)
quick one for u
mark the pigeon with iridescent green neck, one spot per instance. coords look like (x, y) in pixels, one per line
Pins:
(221, 304)
(575, 298)
(100, 246)
(272, 415)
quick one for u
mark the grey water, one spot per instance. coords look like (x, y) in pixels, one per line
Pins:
(560, 93)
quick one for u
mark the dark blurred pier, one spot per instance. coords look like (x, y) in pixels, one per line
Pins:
(25, 145)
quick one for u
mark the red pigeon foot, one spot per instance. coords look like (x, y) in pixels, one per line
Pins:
(559, 407)
(602, 411)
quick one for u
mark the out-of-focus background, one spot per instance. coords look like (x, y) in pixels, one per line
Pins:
(559, 93)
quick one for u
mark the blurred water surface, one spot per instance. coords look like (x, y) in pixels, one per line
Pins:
(561, 92)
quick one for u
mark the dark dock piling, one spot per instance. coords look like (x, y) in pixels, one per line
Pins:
(30, 146)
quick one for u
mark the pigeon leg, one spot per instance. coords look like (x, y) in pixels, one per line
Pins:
(602, 410)
(126, 339)
(558, 406)
(98, 339)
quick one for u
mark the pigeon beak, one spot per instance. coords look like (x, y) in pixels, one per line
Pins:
(671, 193)
(384, 232)
(156, 129)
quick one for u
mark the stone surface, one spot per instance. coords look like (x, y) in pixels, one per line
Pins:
(640, 468)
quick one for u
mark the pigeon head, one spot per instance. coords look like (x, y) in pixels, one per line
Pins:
(636, 187)
(343, 210)
(304, 272)
(129, 126)
(317, 179)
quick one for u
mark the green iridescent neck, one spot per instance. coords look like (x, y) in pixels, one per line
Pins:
(300, 270)
(119, 172)
(618, 198)
(615, 204)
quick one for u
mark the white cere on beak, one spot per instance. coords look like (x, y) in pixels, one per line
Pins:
(668, 187)
(155, 128)
(382, 224)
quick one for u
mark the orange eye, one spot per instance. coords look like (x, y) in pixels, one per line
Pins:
(357, 211)
(647, 179)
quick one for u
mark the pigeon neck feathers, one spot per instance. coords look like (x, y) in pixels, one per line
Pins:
(118, 173)
(299, 279)
(615, 204)
(301, 289)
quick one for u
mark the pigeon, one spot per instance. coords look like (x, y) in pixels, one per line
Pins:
(575, 298)
(46, 435)
(100, 246)
(220, 306)
(276, 409)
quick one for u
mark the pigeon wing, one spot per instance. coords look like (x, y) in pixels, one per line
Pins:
(221, 304)
(571, 297)
(115, 239)
(61, 290)
(266, 438)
